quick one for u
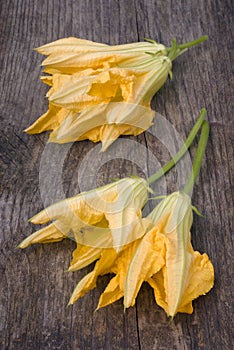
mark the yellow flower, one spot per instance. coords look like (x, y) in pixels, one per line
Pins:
(99, 92)
(109, 216)
(185, 273)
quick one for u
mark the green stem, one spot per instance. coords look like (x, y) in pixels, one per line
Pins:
(198, 158)
(182, 150)
(193, 43)
(176, 50)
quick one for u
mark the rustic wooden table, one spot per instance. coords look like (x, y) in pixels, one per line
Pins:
(35, 287)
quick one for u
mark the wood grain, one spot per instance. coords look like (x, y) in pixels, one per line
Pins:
(35, 288)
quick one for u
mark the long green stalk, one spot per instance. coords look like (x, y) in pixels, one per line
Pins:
(176, 50)
(182, 150)
(198, 158)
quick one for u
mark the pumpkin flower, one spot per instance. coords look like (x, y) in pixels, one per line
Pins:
(163, 256)
(99, 92)
(184, 274)
(109, 216)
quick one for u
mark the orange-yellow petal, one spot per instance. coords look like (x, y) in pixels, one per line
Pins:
(200, 281)
(50, 120)
(83, 256)
(102, 267)
(148, 259)
(48, 234)
(115, 288)
(104, 122)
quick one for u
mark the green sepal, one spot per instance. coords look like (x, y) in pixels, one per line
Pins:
(150, 40)
(197, 211)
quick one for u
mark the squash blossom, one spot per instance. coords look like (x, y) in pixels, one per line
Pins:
(163, 256)
(184, 274)
(109, 216)
(99, 92)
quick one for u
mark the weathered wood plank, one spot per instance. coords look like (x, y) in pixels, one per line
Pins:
(35, 288)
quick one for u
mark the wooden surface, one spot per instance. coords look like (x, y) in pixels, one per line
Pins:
(35, 287)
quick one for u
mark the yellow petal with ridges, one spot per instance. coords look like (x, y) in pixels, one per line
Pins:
(199, 282)
(74, 209)
(70, 63)
(47, 79)
(77, 45)
(148, 259)
(69, 44)
(50, 120)
(83, 256)
(102, 267)
(111, 294)
(104, 123)
(48, 234)
(115, 288)
(126, 226)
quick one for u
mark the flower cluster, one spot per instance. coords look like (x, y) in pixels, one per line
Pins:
(107, 225)
(99, 92)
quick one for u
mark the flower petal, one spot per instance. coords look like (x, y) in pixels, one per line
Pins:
(111, 294)
(83, 256)
(200, 281)
(72, 63)
(52, 119)
(147, 260)
(102, 267)
(77, 45)
(126, 227)
(48, 234)
(69, 44)
(115, 288)
(104, 123)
